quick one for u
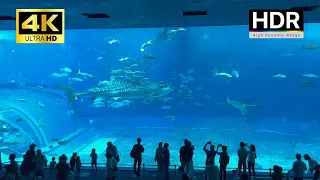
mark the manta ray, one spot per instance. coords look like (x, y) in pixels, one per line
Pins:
(163, 35)
(244, 108)
(162, 38)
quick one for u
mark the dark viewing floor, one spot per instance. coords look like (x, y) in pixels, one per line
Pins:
(147, 175)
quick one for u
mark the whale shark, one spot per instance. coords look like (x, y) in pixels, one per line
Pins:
(120, 89)
(243, 107)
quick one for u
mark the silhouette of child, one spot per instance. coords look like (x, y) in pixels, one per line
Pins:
(94, 158)
(53, 164)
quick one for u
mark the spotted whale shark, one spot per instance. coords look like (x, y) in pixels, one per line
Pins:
(120, 89)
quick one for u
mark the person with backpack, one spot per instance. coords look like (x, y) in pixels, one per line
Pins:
(136, 154)
(224, 161)
(41, 162)
(111, 167)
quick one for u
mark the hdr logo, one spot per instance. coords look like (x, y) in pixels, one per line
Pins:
(276, 24)
(41, 26)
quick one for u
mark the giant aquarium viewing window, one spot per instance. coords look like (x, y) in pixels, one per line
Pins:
(162, 84)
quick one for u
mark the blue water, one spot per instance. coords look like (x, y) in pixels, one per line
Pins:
(286, 121)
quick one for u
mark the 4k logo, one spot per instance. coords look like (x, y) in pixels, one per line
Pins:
(40, 26)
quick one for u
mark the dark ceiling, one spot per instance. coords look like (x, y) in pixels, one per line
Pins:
(153, 13)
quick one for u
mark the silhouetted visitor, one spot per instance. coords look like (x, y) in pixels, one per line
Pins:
(73, 161)
(313, 166)
(186, 154)
(63, 168)
(166, 160)
(211, 171)
(211, 153)
(298, 168)
(25, 172)
(224, 161)
(41, 162)
(94, 159)
(112, 149)
(242, 154)
(136, 153)
(11, 169)
(277, 173)
(158, 157)
(30, 154)
(53, 164)
(78, 165)
(252, 155)
(111, 167)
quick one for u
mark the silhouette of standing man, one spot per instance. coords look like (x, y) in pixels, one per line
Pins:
(136, 153)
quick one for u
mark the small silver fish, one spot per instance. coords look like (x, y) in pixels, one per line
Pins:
(279, 76)
(76, 79)
(166, 107)
(21, 100)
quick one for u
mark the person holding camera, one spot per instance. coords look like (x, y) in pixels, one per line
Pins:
(211, 153)
(224, 161)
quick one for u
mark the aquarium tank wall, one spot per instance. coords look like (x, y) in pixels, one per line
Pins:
(162, 85)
